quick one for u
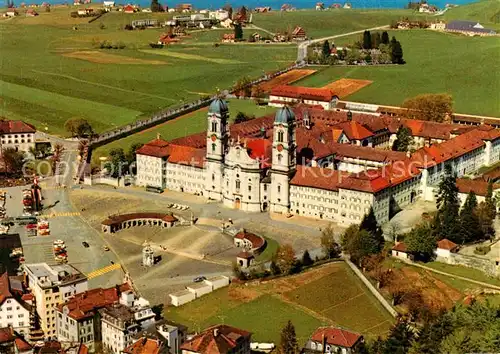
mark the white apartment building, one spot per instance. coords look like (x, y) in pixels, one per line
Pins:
(321, 164)
(51, 286)
(17, 135)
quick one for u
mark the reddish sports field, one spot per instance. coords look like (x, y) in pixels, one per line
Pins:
(346, 87)
(286, 78)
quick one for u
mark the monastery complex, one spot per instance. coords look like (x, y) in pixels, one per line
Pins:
(318, 163)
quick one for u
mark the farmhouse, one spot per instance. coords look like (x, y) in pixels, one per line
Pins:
(220, 339)
(16, 134)
(285, 94)
(399, 250)
(11, 12)
(293, 162)
(299, 34)
(445, 247)
(227, 23)
(31, 13)
(129, 9)
(320, 6)
(333, 340)
(469, 28)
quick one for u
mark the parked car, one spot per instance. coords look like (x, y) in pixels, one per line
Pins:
(85, 244)
(199, 279)
(106, 248)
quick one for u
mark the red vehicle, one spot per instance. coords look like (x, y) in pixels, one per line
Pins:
(27, 202)
(31, 226)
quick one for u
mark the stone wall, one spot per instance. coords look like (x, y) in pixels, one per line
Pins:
(485, 265)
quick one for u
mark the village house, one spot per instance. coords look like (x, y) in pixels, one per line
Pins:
(11, 12)
(15, 305)
(263, 9)
(220, 339)
(469, 28)
(108, 4)
(228, 38)
(287, 7)
(333, 340)
(31, 13)
(285, 94)
(17, 135)
(399, 250)
(129, 9)
(320, 6)
(227, 23)
(13, 342)
(445, 247)
(299, 34)
(184, 8)
(438, 26)
(426, 8)
(294, 163)
(220, 15)
(145, 345)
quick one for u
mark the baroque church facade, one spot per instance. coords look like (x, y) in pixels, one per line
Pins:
(312, 162)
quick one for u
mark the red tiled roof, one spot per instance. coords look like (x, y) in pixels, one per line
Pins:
(256, 241)
(82, 349)
(318, 177)
(354, 130)
(400, 247)
(6, 335)
(336, 336)
(155, 148)
(300, 92)
(298, 31)
(260, 149)
(4, 287)
(128, 8)
(220, 339)
(22, 345)
(144, 346)
(479, 187)
(15, 126)
(366, 153)
(185, 155)
(118, 219)
(446, 244)
(85, 304)
(28, 297)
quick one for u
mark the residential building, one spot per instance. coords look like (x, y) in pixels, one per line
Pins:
(228, 38)
(299, 34)
(17, 135)
(51, 286)
(12, 342)
(14, 311)
(170, 334)
(79, 320)
(146, 345)
(469, 28)
(325, 164)
(333, 340)
(286, 95)
(220, 339)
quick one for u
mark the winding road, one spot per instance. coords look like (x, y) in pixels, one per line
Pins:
(302, 49)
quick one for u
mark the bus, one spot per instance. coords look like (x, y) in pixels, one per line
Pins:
(154, 189)
(25, 220)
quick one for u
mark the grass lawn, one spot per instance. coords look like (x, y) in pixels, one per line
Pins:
(191, 123)
(326, 295)
(332, 22)
(48, 86)
(466, 272)
(436, 63)
(269, 251)
(486, 12)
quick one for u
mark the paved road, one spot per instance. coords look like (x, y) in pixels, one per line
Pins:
(302, 49)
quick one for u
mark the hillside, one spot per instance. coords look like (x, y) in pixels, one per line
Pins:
(486, 12)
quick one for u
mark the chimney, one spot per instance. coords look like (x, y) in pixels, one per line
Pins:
(118, 292)
(323, 342)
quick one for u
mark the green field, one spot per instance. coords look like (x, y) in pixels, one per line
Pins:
(486, 12)
(467, 68)
(466, 272)
(46, 88)
(331, 22)
(186, 125)
(330, 295)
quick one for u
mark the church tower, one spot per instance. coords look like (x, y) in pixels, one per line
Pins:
(217, 143)
(283, 159)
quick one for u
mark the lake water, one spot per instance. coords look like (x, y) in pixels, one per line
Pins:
(275, 4)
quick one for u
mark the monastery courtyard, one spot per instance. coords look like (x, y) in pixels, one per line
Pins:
(186, 251)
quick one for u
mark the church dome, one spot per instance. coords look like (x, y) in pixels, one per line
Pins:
(284, 115)
(217, 106)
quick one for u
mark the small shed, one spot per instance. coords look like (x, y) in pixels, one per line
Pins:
(200, 289)
(245, 259)
(400, 251)
(182, 297)
(218, 282)
(445, 247)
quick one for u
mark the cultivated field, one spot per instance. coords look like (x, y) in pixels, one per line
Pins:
(286, 78)
(435, 63)
(346, 87)
(65, 75)
(188, 124)
(328, 295)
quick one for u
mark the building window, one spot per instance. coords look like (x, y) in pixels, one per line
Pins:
(265, 187)
(249, 188)
(280, 136)
(238, 185)
(279, 189)
(279, 158)
(213, 177)
(214, 126)
(213, 148)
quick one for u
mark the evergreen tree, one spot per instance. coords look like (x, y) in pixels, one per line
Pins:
(376, 40)
(155, 6)
(326, 49)
(288, 343)
(484, 215)
(238, 32)
(446, 224)
(306, 259)
(403, 139)
(469, 222)
(367, 40)
(399, 340)
(369, 223)
(421, 241)
(330, 248)
(396, 52)
(385, 38)
(490, 203)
